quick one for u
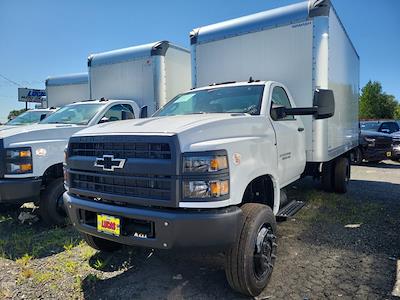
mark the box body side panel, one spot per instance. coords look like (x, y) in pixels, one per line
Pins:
(60, 95)
(282, 54)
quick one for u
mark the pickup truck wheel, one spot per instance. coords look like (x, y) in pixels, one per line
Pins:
(250, 260)
(51, 205)
(327, 177)
(342, 175)
(101, 244)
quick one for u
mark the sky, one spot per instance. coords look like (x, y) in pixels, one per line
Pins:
(44, 38)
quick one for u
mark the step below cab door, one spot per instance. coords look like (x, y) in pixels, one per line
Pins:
(290, 138)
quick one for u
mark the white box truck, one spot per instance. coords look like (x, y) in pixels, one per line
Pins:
(66, 89)
(275, 99)
(31, 159)
(149, 74)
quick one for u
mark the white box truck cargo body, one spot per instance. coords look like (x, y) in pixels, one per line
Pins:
(303, 46)
(151, 73)
(66, 89)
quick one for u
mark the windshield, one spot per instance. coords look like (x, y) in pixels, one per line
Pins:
(28, 117)
(238, 99)
(373, 126)
(79, 114)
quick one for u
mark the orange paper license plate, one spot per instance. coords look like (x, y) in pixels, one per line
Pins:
(109, 224)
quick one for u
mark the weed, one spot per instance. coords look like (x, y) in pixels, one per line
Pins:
(99, 264)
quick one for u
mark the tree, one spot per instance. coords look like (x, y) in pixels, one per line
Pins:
(16, 112)
(397, 112)
(376, 104)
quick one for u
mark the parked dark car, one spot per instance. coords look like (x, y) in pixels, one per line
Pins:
(374, 146)
(385, 126)
(396, 146)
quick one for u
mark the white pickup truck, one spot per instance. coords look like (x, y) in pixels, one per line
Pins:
(210, 167)
(29, 117)
(31, 157)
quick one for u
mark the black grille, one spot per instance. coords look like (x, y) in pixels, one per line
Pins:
(383, 143)
(148, 175)
(121, 149)
(147, 187)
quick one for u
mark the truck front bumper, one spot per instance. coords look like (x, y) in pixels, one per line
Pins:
(169, 227)
(19, 191)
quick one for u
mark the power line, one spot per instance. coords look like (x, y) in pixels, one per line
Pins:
(10, 80)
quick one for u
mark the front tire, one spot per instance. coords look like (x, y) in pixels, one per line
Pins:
(101, 244)
(51, 206)
(250, 260)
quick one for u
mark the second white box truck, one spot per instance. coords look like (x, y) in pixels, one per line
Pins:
(149, 74)
(276, 99)
(66, 89)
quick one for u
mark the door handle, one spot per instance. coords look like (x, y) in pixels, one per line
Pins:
(300, 129)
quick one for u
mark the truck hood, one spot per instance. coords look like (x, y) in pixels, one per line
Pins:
(7, 127)
(191, 129)
(32, 133)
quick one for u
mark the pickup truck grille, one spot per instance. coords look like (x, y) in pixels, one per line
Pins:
(148, 187)
(383, 143)
(149, 175)
(122, 150)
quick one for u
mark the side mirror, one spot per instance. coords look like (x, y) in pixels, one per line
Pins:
(104, 120)
(278, 112)
(143, 112)
(42, 117)
(127, 115)
(324, 101)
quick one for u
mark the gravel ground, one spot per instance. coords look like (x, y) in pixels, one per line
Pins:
(318, 256)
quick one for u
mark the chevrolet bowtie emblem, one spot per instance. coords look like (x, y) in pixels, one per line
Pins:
(109, 163)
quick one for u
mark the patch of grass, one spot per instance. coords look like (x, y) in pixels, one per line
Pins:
(36, 240)
(24, 260)
(99, 264)
(43, 277)
(334, 208)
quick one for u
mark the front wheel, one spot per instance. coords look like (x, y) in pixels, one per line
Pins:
(51, 205)
(250, 260)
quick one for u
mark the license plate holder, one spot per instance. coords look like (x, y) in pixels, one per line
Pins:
(109, 224)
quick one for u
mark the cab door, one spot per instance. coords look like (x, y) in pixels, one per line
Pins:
(290, 138)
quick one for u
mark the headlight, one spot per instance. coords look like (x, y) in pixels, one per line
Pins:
(370, 141)
(205, 163)
(19, 161)
(201, 189)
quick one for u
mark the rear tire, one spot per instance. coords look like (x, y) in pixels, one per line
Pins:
(327, 177)
(250, 260)
(342, 175)
(51, 206)
(101, 244)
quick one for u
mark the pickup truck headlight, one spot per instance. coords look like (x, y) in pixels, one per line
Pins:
(205, 188)
(205, 163)
(370, 141)
(19, 161)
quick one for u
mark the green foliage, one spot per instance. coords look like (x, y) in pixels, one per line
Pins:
(397, 113)
(376, 104)
(15, 113)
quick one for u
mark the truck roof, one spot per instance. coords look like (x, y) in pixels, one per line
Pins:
(131, 53)
(231, 84)
(76, 78)
(101, 101)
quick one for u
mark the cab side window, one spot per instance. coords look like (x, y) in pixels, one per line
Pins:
(115, 113)
(279, 97)
(389, 127)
